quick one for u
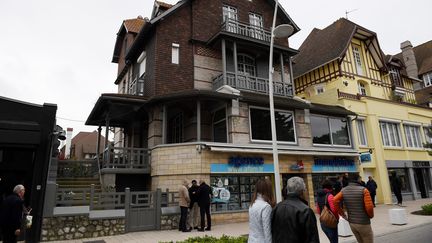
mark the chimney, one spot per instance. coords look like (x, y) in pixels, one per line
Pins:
(409, 59)
(68, 142)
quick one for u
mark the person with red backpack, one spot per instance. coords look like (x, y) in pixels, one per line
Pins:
(325, 198)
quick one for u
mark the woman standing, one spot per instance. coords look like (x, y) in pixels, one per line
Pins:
(260, 212)
(325, 197)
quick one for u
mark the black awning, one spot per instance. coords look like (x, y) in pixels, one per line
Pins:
(331, 110)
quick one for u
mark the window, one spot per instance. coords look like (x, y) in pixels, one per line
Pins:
(319, 89)
(256, 23)
(395, 76)
(246, 65)
(362, 88)
(142, 63)
(329, 130)
(240, 187)
(427, 78)
(428, 137)
(175, 129)
(412, 135)
(390, 133)
(219, 126)
(361, 130)
(357, 59)
(260, 125)
(175, 53)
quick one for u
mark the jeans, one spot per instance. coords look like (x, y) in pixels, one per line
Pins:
(331, 233)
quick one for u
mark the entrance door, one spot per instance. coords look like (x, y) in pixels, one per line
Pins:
(419, 175)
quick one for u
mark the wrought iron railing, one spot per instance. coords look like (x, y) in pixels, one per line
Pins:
(252, 83)
(126, 158)
(136, 86)
(245, 29)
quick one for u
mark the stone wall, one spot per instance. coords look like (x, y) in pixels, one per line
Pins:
(77, 227)
(169, 222)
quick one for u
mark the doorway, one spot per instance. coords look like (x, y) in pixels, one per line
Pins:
(422, 181)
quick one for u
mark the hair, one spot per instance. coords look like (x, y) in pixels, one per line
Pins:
(327, 184)
(354, 177)
(18, 188)
(194, 181)
(265, 189)
(296, 185)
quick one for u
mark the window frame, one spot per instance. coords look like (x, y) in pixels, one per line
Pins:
(175, 53)
(356, 50)
(388, 131)
(361, 125)
(427, 79)
(228, 10)
(318, 88)
(142, 59)
(413, 136)
(220, 121)
(242, 62)
(270, 141)
(330, 132)
(362, 88)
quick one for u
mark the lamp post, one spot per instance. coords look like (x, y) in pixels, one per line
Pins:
(284, 30)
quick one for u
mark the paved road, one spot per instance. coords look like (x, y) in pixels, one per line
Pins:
(419, 234)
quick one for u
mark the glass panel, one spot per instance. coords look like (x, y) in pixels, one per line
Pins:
(357, 59)
(361, 132)
(339, 128)
(260, 125)
(384, 134)
(284, 126)
(320, 130)
(408, 136)
(219, 126)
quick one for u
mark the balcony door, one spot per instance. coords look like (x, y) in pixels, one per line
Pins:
(256, 23)
(230, 18)
(246, 68)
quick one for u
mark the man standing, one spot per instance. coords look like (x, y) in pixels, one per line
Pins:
(11, 215)
(193, 207)
(184, 201)
(396, 185)
(292, 219)
(372, 186)
(356, 199)
(204, 194)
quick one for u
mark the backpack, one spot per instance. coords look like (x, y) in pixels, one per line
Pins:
(327, 218)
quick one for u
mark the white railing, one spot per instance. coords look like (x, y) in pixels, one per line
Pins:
(252, 83)
(252, 31)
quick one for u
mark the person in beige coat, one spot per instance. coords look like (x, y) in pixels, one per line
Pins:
(184, 201)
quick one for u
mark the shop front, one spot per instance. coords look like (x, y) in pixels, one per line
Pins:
(233, 183)
(330, 168)
(415, 177)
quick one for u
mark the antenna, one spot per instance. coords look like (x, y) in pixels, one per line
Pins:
(350, 11)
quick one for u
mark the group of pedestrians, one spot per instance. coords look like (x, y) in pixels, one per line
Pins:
(292, 220)
(192, 200)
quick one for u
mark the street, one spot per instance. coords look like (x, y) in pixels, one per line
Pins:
(418, 234)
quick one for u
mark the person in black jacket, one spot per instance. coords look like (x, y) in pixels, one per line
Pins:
(372, 187)
(204, 195)
(193, 208)
(292, 219)
(11, 215)
(396, 185)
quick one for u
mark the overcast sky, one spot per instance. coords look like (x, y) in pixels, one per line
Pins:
(59, 51)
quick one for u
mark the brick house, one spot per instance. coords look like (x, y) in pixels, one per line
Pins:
(83, 146)
(192, 103)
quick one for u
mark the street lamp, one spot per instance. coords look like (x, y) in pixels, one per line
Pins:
(284, 30)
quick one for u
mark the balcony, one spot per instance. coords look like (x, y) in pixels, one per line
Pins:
(245, 29)
(136, 87)
(253, 84)
(127, 160)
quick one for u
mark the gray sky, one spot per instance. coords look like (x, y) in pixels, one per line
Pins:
(59, 51)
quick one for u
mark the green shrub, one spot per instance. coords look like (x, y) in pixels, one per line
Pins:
(427, 208)
(211, 239)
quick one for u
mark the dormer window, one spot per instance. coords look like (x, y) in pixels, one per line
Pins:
(358, 59)
(427, 78)
(395, 76)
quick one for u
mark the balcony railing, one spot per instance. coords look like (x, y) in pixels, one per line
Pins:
(136, 87)
(125, 158)
(254, 84)
(256, 32)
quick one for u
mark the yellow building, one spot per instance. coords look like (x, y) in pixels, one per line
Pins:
(343, 64)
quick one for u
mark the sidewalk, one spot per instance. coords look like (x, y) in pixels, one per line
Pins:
(380, 226)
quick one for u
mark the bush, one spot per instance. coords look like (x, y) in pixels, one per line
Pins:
(427, 208)
(211, 239)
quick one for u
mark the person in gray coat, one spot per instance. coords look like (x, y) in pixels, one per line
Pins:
(260, 212)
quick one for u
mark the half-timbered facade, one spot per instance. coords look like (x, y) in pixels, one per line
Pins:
(343, 64)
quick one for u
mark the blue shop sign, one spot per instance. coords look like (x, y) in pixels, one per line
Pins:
(334, 165)
(243, 165)
(365, 157)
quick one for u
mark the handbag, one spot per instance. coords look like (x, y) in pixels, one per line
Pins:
(327, 218)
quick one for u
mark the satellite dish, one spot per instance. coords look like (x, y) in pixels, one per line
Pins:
(283, 30)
